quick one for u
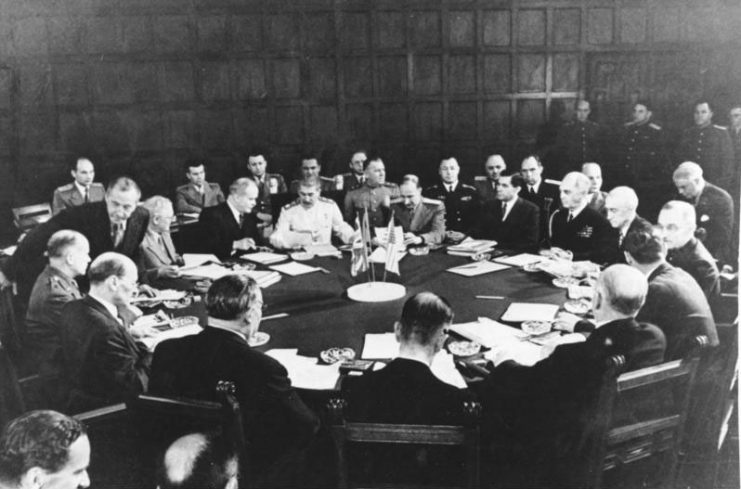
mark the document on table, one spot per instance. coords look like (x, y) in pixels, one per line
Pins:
(305, 372)
(212, 271)
(162, 295)
(292, 268)
(488, 333)
(524, 311)
(152, 342)
(195, 259)
(264, 257)
(322, 250)
(477, 268)
(384, 346)
(379, 255)
(382, 234)
(520, 260)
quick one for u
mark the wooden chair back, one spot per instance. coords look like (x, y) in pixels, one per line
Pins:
(611, 443)
(466, 437)
(30, 216)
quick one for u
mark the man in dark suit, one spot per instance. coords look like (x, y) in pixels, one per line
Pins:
(675, 302)
(198, 194)
(514, 223)
(461, 200)
(200, 460)
(422, 219)
(577, 228)
(713, 207)
(542, 194)
(116, 224)
(621, 205)
(486, 185)
(103, 363)
(534, 415)
(231, 227)
(708, 145)
(406, 391)
(276, 422)
(677, 223)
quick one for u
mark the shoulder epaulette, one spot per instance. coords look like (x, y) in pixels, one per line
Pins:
(480, 178)
(325, 199)
(291, 204)
(628, 124)
(274, 175)
(469, 187)
(427, 200)
(96, 184)
(390, 184)
(67, 187)
(182, 187)
(396, 201)
(326, 179)
(214, 185)
(654, 126)
(720, 127)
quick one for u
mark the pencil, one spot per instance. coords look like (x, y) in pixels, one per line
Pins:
(490, 297)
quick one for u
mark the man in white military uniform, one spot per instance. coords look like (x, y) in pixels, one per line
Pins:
(311, 219)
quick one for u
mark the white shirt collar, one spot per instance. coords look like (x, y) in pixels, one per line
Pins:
(82, 188)
(452, 186)
(577, 211)
(109, 306)
(508, 208)
(235, 212)
(535, 186)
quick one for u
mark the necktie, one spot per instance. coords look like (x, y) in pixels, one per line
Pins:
(571, 217)
(163, 245)
(242, 219)
(117, 234)
(621, 238)
(504, 210)
(532, 190)
(87, 195)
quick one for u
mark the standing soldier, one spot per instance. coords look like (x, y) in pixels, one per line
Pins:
(642, 162)
(708, 145)
(375, 195)
(579, 141)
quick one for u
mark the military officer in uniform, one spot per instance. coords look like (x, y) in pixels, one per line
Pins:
(81, 191)
(356, 177)
(461, 200)
(642, 161)
(486, 186)
(735, 130)
(422, 219)
(310, 170)
(69, 256)
(192, 197)
(579, 140)
(310, 220)
(375, 195)
(596, 196)
(708, 145)
(267, 184)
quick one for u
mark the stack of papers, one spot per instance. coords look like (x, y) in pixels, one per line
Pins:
(488, 333)
(470, 247)
(477, 268)
(379, 255)
(305, 372)
(152, 342)
(214, 271)
(264, 257)
(264, 278)
(518, 312)
(292, 268)
(322, 250)
(520, 260)
(196, 259)
(162, 295)
(384, 346)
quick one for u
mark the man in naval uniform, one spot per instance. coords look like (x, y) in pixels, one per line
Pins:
(192, 197)
(310, 220)
(375, 195)
(486, 186)
(596, 196)
(310, 170)
(708, 145)
(356, 177)
(642, 161)
(82, 190)
(461, 200)
(422, 219)
(579, 140)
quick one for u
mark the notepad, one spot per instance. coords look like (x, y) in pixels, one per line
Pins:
(264, 257)
(478, 268)
(213, 271)
(322, 250)
(293, 269)
(520, 260)
(487, 332)
(525, 311)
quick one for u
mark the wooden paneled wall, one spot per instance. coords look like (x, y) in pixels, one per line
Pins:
(139, 84)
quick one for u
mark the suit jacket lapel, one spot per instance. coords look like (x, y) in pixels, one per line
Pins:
(151, 244)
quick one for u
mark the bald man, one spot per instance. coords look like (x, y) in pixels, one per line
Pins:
(199, 460)
(486, 186)
(621, 205)
(576, 227)
(714, 209)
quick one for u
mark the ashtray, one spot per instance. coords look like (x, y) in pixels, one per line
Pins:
(577, 306)
(178, 304)
(334, 355)
(181, 321)
(531, 267)
(481, 257)
(565, 282)
(419, 250)
(302, 255)
(535, 328)
(258, 339)
(464, 348)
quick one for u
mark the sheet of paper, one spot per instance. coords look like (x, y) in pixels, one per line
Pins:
(213, 271)
(305, 372)
(293, 268)
(524, 311)
(265, 257)
(162, 295)
(380, 346)
(477, 268)
(471, 245)
(522, 352)
(382, 234)
(520, 260)
(151, 343)
(379, 255)
(443, 366)
(322, 250)
(196, 259)
(488, 333)
(9, 250)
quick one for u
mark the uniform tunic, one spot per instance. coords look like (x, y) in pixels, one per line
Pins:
(376, 199)
(711, 148)
(299, 226)
(461, 205)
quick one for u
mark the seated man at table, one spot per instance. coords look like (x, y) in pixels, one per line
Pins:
(199, 460)
(486, 186)
(422, 219)
(82, 190)
(537, 413)
(104, 364)
(231, 227)
(620, 208)
(68, 253)
(157, 252)
(677, 223)
(578, 228)
(44, 449)
(310, 220)
(538, 191)
(675, 303)
(406, 391)
(513, 222)
(194, 196)
(276, 421)
(461, 200)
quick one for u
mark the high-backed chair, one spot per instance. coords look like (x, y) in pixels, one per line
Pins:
(640, 415)
(466, 437)
(28, 217)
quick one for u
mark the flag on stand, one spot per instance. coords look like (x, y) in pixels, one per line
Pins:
(359, 262)
(392, 248)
